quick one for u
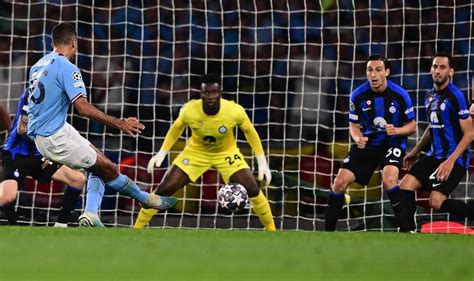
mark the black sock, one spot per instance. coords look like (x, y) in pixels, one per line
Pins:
(69, 201)
(10, 213)
(410, 200)
(333, 210)
(457, 208)
(403, 208)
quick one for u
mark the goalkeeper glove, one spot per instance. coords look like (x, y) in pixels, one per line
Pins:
(156, 160)
(263, 169)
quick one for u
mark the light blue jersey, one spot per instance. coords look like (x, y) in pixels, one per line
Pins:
(54, 83)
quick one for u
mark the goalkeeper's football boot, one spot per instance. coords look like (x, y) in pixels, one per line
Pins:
(90, 220)
(158, 202)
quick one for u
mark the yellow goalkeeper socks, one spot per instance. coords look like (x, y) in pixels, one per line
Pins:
(262, 208)
(144, 217)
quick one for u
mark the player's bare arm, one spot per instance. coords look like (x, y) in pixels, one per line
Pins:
(130, 125)
(22, 125)
(357, 135)
(406, 130)
(444, 169)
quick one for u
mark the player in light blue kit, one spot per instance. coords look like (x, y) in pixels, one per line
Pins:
(54, 83)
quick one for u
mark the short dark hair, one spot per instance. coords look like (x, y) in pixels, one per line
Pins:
(210, 78)
(63, 33)
(378, 57)
(444, 55)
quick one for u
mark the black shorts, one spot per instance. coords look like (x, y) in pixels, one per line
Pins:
(363, 162)
(424, 170)
(22, 166)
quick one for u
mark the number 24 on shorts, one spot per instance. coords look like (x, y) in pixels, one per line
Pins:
(232, 161)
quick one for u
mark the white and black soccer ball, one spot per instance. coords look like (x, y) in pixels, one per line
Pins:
(232, 197)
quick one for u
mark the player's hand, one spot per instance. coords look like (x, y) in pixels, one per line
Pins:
(263, 169)
(391, 130)
(409, 160)
(131, 126)
(156, 160)
(444, 170)
(361, 142)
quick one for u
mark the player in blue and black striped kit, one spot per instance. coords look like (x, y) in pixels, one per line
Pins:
(448, 136)
(381, 117)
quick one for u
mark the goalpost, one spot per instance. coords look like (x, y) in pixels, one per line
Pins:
(291, 64)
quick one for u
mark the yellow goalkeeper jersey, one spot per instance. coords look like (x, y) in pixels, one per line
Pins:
(213, 133)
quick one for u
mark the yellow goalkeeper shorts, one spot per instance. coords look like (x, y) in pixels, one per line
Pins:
(195, 163)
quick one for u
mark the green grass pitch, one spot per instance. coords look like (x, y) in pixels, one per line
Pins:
(40, 253)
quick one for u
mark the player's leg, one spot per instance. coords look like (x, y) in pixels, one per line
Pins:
(75, 181)
(439, 196)
(390, 174)
(260, 203)
(358, 166)
(8, 200)
(336, 198)
(68, 147)
(11, 179)
(403, 202)
(109, 173)
(174, 179)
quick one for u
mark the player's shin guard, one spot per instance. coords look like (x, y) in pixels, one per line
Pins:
(126, 186)
(457, 208)
(262, 208)
(144, 217)
(333, 210)
(95, 192)
(69, 200)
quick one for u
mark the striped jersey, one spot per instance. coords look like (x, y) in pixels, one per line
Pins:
(19, 144)
(444, 110)
(375, 110)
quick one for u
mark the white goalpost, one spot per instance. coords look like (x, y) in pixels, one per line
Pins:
(291, 64)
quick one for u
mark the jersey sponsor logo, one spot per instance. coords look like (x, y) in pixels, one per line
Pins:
(185, 161)
(409, 110)
(369, 102)
(462, 112)
(16, 173)
(346, 160)
(367, 108)
(392, 109)
(76, 75)
(380, 122)
(436, 184)
(222, 129)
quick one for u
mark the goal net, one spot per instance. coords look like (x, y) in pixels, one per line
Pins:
(291, 64)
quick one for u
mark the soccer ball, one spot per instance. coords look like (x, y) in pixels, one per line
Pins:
(232, 197)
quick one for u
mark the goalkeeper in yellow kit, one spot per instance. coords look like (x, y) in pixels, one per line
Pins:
(212, 144)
